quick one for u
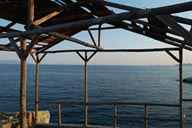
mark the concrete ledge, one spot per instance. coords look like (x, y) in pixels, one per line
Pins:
(69, 126)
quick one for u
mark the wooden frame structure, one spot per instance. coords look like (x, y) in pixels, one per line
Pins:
(50, 22)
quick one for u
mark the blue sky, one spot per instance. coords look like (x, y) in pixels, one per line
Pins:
(114, 39)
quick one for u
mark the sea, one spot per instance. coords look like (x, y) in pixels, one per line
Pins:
(151, 84)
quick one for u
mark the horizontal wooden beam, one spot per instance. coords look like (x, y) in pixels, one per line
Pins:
(5, 48)
(6, 28)
(114, 50)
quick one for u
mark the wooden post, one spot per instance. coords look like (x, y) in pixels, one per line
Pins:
(36, 89)
(146, 116)
(99, 36)
(86, 59)
(115, 116)
(31, 11)
(86, 90)
(181, 87)
(23, 83)
(59, 114)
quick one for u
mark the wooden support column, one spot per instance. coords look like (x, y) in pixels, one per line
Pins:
(99, 36)
(31, 12)
(37, 61)
(86, 59)
(23, 83)
(180, 61)
(181, 87)
(86, 90)
(36, 89)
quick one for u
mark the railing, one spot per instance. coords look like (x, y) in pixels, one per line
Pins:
(146, 117)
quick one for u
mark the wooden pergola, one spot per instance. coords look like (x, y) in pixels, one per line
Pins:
(50, 22)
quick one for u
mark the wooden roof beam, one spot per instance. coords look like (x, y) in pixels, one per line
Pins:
(15, 46)
(5, 48)
(138, 30)
(31, 13)
(2, 29)
(62, 36)
(113, 50)
(105, 19)
(32, 44)
(57, 12)
(175, 27)
(182, 20)
(153, 11)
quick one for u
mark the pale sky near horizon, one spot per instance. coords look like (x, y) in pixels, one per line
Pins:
(116, 39)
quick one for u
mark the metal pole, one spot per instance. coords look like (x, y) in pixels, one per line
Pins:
(115, 116)
(59, 114)
(86, 90)
(146, 116)
(181, 87)
(23, 83)
(36, 90)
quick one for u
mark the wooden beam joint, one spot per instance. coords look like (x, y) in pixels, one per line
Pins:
(173, 56)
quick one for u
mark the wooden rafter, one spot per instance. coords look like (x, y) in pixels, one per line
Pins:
(141, 31)
(32, 44)
(14, 44)
(172, 55)
(6, 28)
(104, 19)
(65, 37)
(31, 12)
(56, 12)
(176, 28)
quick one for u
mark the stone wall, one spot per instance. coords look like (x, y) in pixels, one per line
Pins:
(11, 120)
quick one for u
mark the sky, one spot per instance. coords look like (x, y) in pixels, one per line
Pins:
(113, 39)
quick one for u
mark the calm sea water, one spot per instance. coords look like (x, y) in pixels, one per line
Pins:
(155, 84)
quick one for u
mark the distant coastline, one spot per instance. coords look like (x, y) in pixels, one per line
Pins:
(9, 62)
(17, 62)
(185, 64)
